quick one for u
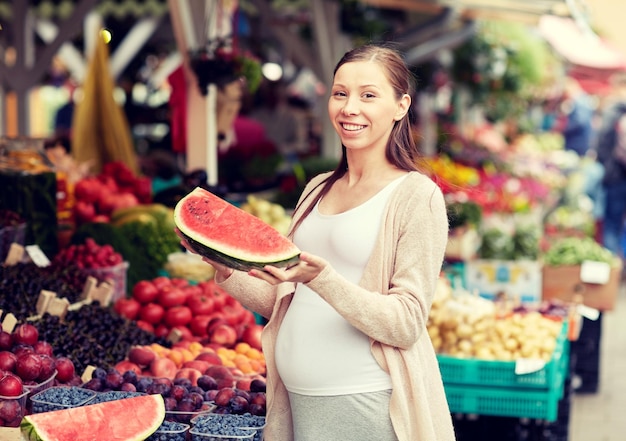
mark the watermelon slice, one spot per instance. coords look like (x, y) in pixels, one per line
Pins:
(130, 419)
(226, 234)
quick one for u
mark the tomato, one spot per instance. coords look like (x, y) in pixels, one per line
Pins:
(145, 291)
(171, 296)
(152, 313)
(179, 282)
(161, 281)
(233, 314)
(127, 307)
(162, 330)
(199, 324)
(145, 326)
(200, 304)
(178, 316)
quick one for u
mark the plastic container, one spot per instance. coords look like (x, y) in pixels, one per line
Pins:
(33, 389)
(51, 398)
(116, 275)
(239, 435)
(246, 422)
(475, 372)
(14, 409)
(186, 417)
(170, 431)
(113, 395)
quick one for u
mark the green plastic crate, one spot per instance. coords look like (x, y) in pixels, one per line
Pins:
(516, 403)
(489, 373)
(493, 388)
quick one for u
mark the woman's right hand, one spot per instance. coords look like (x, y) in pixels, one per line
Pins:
(222, 272)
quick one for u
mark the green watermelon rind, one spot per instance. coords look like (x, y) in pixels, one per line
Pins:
(28, 425)
(220, 251)
(233, 262)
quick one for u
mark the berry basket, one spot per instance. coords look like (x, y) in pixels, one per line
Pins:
(61, 397)
(245, 421)
(230, 434)
(13, 409)
(33, 389)
(170, 431)
(486, 387)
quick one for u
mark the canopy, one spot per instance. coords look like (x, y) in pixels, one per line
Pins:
(579, 45)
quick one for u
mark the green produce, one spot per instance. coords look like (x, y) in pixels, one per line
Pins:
(574, 251)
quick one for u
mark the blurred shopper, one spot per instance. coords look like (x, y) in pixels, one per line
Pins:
(611, 151)
(348, 354)
(578, 112)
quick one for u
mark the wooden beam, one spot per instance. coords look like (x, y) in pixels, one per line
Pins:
(139, 34)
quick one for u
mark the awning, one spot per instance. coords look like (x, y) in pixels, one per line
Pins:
(579, 45)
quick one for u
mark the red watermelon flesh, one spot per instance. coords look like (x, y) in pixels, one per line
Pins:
(226, 234)
(128, 419)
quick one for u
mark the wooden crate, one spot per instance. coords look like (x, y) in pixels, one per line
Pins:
(564, 283)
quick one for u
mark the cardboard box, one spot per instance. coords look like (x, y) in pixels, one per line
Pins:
(564, 283)
(517, 279)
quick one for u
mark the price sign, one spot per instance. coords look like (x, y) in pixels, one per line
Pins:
(528, 365)
(37, 256)
(595, 272)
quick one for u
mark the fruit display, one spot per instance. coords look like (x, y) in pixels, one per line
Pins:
(88, 255)
(134, 418)
(21, 284)
(93, 335)
(468, 326)
(164, 305)
(28, 366)
(144, 235)
(226, 234)
(116, 187)
(269, 212)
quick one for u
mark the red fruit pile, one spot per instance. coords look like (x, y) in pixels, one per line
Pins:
(88, 255)
(115, 187)
(202, 312)
(27, 363)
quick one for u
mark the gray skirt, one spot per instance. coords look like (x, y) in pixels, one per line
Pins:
(354, 417)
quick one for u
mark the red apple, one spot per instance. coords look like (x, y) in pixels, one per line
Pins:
(11, 386)
(190, 373)
(224, 335)
(6, 341)
(28, 366)
(8, 360)
(65, 369)
(43, 348)
(25, 334)
(252, 335)
(48, 365)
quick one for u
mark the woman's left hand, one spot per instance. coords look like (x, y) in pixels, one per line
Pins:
(304, 271)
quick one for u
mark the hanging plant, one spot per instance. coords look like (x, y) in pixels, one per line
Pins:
(220, 64)
(501, 66)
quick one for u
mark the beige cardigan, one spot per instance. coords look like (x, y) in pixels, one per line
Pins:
(391, 304)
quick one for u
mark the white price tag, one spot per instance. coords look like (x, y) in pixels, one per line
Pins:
(528, 365)
(595, 272)
(37, 256)
(588, 312)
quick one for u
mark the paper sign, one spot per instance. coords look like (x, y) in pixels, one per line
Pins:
(87, 373)
(9, 322)
(595, 272)
(588, 312)
(43, 301)
(37, 256)
(528, 365)
(15, 255)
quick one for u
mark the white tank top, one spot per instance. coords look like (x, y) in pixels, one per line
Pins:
(317, 351)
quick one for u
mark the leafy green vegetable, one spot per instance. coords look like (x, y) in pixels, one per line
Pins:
(575, 250)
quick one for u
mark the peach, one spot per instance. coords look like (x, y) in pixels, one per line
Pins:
(190, 373)
(197, 364)
(163, 367)
(210, 357)
(141, 355)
